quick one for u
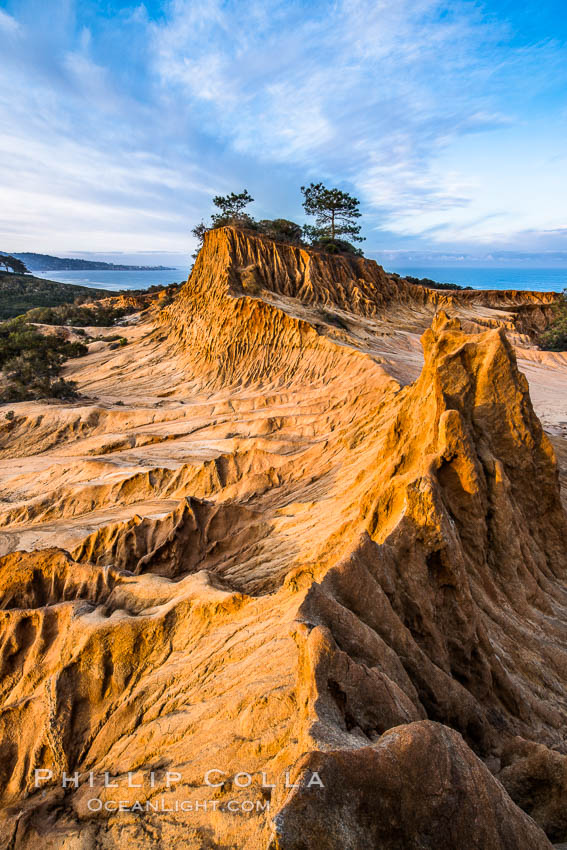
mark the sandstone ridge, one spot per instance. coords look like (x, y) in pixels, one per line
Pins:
(279, 557)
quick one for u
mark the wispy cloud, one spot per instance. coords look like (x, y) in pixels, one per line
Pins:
(120, 125)
(368, 92)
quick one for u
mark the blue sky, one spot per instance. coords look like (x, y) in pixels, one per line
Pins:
(119, 121)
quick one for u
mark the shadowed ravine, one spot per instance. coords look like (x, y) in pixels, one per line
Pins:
(280, 535)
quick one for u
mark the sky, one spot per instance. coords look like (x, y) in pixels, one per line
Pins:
(448, 120)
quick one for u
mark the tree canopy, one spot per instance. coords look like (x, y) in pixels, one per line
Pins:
(230, 207)
(12, 264)
(335, 213)
(231, 211)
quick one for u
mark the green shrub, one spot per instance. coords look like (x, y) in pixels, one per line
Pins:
(432, 284)
(282, 230)
(76, 315)
(336, 246)
(19, 293)
(31, 362)
(555, 337)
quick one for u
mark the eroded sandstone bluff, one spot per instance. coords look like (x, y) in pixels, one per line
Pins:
(270, 541)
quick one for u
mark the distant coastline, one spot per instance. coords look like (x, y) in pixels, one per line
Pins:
(47, 263)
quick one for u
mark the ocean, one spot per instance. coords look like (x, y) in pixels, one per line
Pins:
(115, 280)
(542, 279)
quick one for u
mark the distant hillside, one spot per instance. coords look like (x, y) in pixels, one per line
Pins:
(47, 263)
(20, 293)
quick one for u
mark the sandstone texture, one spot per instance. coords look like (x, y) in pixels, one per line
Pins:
(305, 531)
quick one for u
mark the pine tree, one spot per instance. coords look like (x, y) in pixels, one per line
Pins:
(231, 207)
(335, 213)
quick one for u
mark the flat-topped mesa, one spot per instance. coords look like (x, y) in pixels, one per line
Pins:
(230, 336)
(242, 263)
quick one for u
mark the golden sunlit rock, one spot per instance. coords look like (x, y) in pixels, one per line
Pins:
(277, 547)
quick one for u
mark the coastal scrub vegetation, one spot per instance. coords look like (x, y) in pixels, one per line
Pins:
(19, 293)
(428, 283)
(31, 362)
(31, 358)
(554, 338)
(98, 315)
